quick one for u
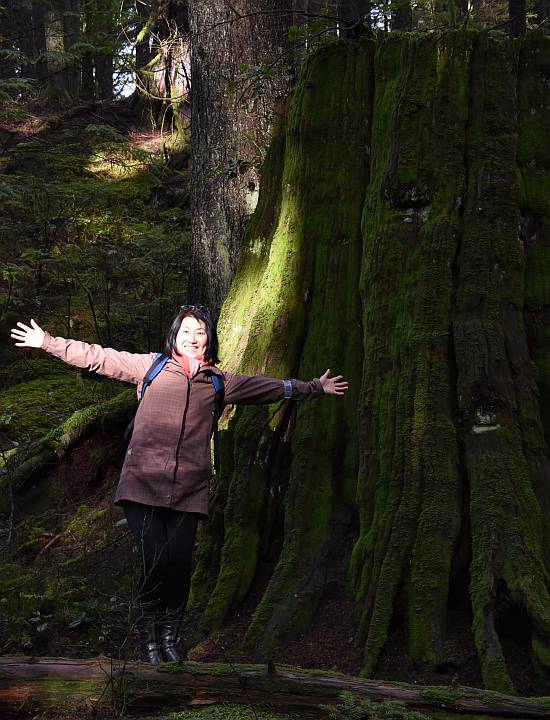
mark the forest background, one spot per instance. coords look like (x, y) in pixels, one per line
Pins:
(355, 184)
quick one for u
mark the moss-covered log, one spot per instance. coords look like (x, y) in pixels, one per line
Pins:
(29, 686)
(35, 459)
(402, 238)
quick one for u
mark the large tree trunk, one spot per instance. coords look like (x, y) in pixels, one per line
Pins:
(72, 35)
(439, 217)
(232, 113)
(305, 235)
(401, 15)
(517, 13)
(54, 26)
(103, 58)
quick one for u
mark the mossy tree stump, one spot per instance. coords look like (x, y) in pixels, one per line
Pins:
(401, 238)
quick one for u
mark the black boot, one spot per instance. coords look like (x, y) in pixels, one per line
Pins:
(168, 638)
(150, 648)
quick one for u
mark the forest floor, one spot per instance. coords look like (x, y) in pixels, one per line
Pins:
(65, 579)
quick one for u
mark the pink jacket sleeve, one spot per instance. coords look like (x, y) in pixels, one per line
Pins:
(257, 389)
(129, 367)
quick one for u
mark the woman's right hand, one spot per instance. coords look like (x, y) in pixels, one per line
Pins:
(28, 336)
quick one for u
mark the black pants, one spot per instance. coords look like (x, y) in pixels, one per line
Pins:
(165, 540)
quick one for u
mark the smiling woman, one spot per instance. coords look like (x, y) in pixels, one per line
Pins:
(191, 338)
(164, 482)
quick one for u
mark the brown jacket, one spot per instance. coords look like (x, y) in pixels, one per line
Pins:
(168, 462)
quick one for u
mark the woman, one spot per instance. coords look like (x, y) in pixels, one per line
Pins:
(164, 482)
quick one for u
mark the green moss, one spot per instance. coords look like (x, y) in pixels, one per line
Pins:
(223, 711)
(541, 651)
(496, 383)
(36, 406)
(408, 491)
(267, 326)
(440, 696)
(352, 707)
(440, 435)
(84, 519)
(325, 183)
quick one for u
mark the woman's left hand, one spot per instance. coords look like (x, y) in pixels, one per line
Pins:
(333, 385)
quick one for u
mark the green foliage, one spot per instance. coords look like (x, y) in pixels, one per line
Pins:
(45, 588)
(94, 245)
(91, 233)
(13, 87)
(104, 132)
(352, 707)
(230, 711)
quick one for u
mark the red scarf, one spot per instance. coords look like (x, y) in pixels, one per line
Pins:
(191, 365)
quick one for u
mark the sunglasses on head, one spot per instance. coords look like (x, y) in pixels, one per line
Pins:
(202, 308)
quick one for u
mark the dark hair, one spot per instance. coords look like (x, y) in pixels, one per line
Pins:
(199, 312)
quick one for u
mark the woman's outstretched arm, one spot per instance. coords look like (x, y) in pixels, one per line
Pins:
(125, 366)
(258, 389)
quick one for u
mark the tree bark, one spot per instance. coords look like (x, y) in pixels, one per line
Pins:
(446, 463)
(517, 13)
(103, 58)
(28, 685)
(71, 36)
(232, 113)
(55, 47)
(304, 235)
(401, 15)
(450, 10)
(542, 11)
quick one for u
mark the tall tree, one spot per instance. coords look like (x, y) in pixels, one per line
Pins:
(54, 27)
(517, 13)
(401, 15)
(238, 77)
(105, 41)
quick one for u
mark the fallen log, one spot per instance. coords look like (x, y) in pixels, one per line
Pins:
(31, 685)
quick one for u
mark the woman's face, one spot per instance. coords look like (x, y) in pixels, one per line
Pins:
(191, 339)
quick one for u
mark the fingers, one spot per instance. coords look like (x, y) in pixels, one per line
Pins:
(326, 375)
(27, 336)
(25, 327)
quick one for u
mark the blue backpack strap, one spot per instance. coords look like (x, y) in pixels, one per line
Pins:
(217, 382)
(158, 363)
